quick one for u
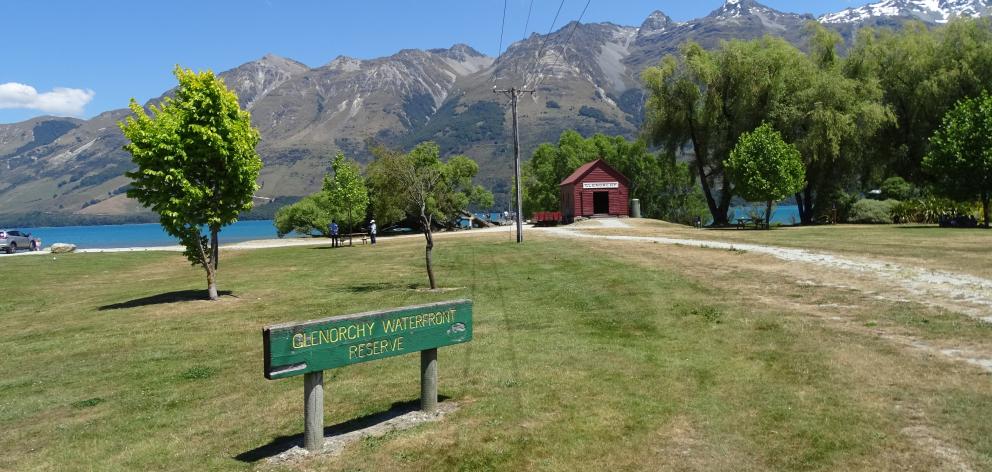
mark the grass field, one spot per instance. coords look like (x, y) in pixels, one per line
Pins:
(587, 356)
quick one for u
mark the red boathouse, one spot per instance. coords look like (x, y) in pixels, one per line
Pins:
(594, 189)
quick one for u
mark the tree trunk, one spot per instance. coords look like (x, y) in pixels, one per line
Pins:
(801, 207)
(214, 246)
(768, 215)
(985, 208)
(707, 192)
(719, 217)
(208, 265)
(212, 284)
(726, 195)
(808, 204)
(428, 235)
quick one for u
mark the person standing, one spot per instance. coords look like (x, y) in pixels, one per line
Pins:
(372, 229)
(335, 241)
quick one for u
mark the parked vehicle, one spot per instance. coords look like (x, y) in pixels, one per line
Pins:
(12, 240)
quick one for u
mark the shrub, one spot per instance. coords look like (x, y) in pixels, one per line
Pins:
(306, 216)
(928, 209)
(552, 104)
(872, 211)
(897, 188)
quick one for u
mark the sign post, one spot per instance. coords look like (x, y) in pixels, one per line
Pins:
(428, 380)
(313, 410)
(310, 347)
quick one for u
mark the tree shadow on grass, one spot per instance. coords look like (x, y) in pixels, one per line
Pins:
(370, 287)
(164, 298)
(919, 226)
(284, 443)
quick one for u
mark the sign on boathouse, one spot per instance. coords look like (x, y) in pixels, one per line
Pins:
(299, 348)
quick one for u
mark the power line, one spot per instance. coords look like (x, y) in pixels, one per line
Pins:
(527, 23)
(567, 41)
(499, 52)
(544, 41)
(526, 27)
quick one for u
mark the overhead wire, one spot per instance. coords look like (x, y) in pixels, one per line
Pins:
(566, 43)
(499, 52)
(526, 28)
(527, 23)
(537, 60)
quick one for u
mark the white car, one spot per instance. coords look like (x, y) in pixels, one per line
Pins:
(12, 240)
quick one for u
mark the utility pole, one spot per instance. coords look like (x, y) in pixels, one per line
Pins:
(513, 93)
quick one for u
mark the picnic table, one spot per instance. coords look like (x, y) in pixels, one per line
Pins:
(363, 236)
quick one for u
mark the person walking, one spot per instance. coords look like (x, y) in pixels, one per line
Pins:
(372, 229)
(335, 241)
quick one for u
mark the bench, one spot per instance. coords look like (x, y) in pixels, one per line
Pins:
(743, 223)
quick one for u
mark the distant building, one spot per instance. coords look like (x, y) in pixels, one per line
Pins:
(594, 189)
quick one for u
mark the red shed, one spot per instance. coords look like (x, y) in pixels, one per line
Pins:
(595, 188)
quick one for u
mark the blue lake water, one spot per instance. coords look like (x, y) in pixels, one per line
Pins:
(142, 235)
(784, 214)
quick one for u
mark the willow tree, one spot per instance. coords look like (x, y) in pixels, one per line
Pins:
(706, 99)
(197, 165)
(922, 72)
(419, 185)
(829, 117)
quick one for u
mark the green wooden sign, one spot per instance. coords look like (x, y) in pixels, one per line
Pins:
(313, 346)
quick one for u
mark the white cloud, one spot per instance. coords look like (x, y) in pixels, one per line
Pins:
(59, 101)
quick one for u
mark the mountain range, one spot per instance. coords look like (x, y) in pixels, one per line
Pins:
(586, 77)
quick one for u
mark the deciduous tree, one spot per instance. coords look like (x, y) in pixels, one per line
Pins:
(922, 73)
(418, 184)
(311, 214)
(960, 157)
(829, 117)
(197, 164)
(765, 168)
(708, 98)
(346, 192)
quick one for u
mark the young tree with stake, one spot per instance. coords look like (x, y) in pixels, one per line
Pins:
(197, 165)
(420, 185)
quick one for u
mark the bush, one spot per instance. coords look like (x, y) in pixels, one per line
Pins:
(897, 188)
(872, 211)
(306, 216)
(929, 209)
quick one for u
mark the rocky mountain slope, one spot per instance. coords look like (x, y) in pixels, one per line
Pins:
(585, 76)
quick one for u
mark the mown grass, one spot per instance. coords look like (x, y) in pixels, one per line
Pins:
(580, 361)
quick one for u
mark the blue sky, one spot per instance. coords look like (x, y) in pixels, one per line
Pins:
(80, 58)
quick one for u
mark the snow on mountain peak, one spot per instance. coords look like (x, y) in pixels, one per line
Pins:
(933, 11)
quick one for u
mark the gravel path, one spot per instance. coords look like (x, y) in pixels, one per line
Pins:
(964, 293)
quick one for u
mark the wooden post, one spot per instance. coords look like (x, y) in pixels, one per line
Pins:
(313, 411)
(428, 380)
